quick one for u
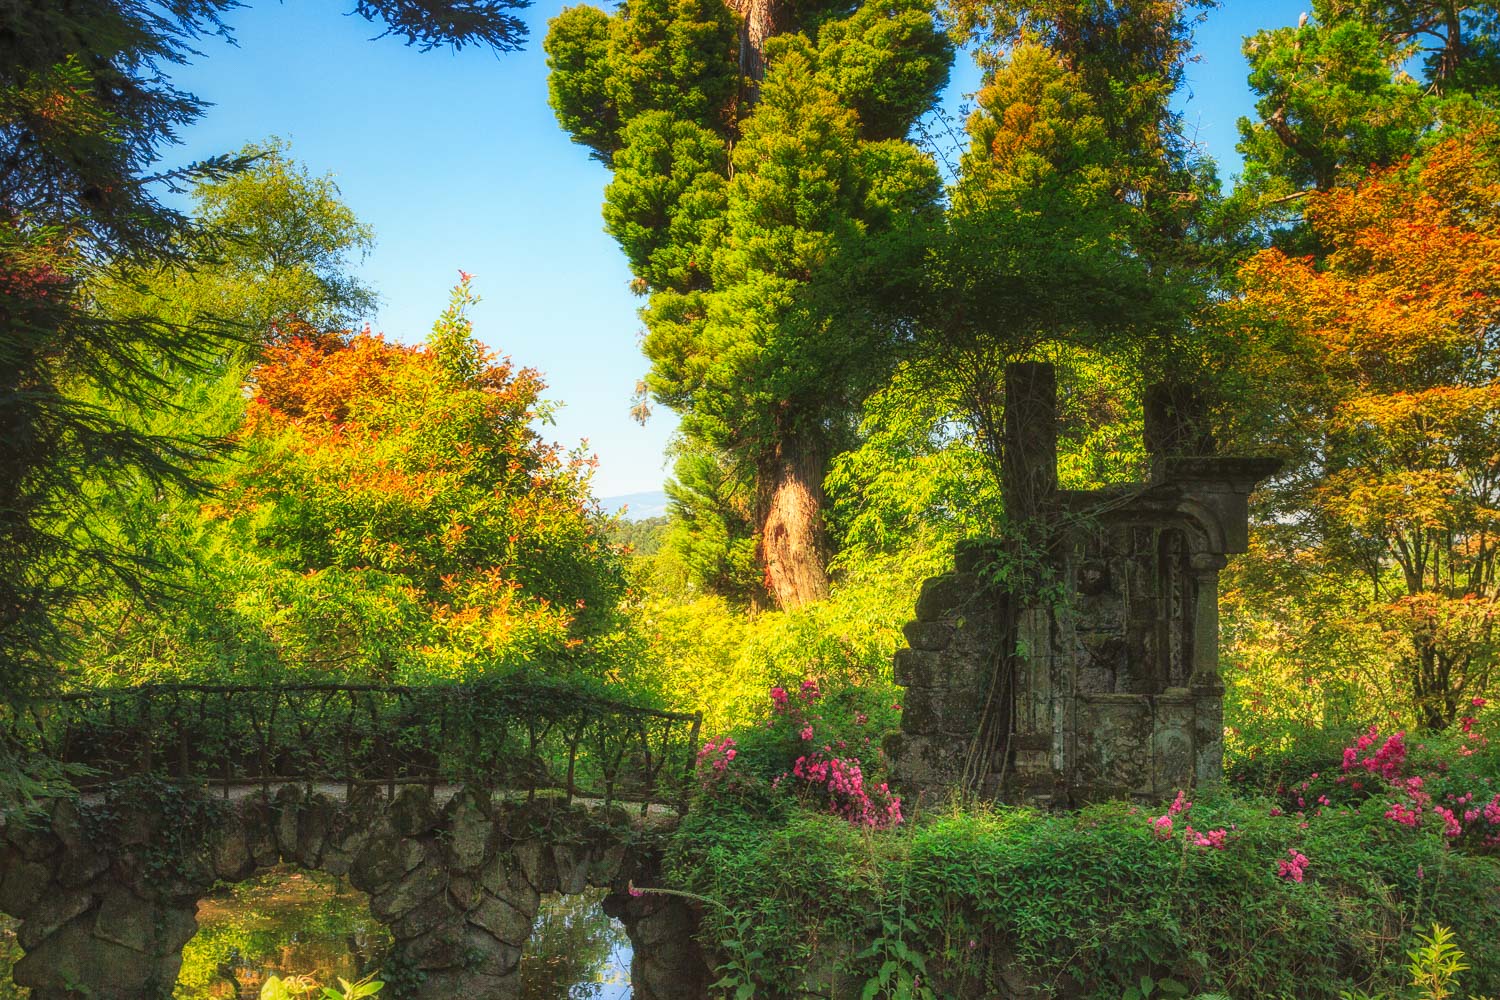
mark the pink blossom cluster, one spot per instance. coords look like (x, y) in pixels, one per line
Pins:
(1295, 869)
(781, 700)
(843, 781)
(714, 758)
(1385, 762)
(1162, 826)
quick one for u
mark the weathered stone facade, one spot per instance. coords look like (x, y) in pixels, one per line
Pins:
(1097, 675)
(106, 901)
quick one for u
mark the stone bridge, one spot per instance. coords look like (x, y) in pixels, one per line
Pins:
(105, 885)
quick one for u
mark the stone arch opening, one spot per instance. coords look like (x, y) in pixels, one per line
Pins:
(285, 920)
(455, 874)
(577, 948)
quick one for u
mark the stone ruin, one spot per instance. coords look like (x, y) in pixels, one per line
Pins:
(1078, 660)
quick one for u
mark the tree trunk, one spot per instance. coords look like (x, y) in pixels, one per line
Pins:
(793, 545)
(757, 23)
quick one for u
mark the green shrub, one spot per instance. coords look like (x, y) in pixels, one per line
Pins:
(1094, 901)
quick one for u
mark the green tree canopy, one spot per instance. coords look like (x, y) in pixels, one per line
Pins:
(759, 167)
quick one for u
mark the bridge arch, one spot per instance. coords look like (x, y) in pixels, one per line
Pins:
(454, 807)
(106, 893)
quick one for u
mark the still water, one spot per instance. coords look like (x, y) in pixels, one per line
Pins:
(300, 923)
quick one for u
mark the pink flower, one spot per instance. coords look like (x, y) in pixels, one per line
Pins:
(1294, 869)
(807, 732)
(1451, 826)
(1478, 702)
(1163, 826)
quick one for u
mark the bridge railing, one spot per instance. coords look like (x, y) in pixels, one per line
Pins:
(506, 736)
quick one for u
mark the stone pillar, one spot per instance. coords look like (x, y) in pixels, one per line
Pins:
(1205, 568)
(97, 920)
(666, 962)
(1176, 421)
(1206, 686)
(1029, 458)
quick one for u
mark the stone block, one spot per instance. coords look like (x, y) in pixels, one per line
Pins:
(571, 862)
(945, 596)
(416, 887)
(22, 884)
(464, 890)
(508, 921)
(469, 832)
(537, 865)
(442, 947)
(449, 983)
(126, 921)
(313, 824)
(604, 863)
(285, 809)
(934, 636)
(431, 914)
(33, 842)
(74, 963)
(413, 811)
(918, 668)
(935, 710)
(230, 854)
(50, 913)
(384, 861)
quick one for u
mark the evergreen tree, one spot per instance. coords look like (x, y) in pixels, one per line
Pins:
(1080, 215)
(760, 176)
(1360, 84)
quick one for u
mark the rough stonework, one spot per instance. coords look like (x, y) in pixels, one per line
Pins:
(1097, 675)
(106, 896)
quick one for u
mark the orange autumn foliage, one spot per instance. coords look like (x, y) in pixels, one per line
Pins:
(1383, 356)
(411, 481)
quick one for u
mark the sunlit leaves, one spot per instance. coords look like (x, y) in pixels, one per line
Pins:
(414, 475)
(1388, 345)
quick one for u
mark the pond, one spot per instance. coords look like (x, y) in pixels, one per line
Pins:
(292, 922)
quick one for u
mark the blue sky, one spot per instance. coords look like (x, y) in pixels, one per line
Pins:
(457, 162)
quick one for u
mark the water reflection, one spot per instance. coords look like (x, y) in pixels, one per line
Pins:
(284, 923)
(576, 952)
(292, 922)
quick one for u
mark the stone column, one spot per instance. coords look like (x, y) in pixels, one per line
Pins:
(1029, 460)
(1205, 684)
(1205, 676)
(666, 962)
(96, 920)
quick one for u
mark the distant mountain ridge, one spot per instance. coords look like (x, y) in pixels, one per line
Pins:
(639, 506)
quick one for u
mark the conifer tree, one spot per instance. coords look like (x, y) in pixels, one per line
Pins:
(759, 160)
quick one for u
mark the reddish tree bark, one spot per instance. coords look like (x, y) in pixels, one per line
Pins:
(793, 545)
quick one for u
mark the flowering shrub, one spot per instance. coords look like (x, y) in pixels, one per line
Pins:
(1449, 780)
(1292, 870)
(826, 774)
(1162, 826)
(1098, 898)
(830, 775)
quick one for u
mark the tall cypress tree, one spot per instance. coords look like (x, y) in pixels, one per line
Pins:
(760, 172)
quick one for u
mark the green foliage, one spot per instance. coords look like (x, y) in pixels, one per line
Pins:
(1336, 94)
(295, 987)
(1094, 902)
(706, 655)
(752, 212)
(710, 538)
(390, 514)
